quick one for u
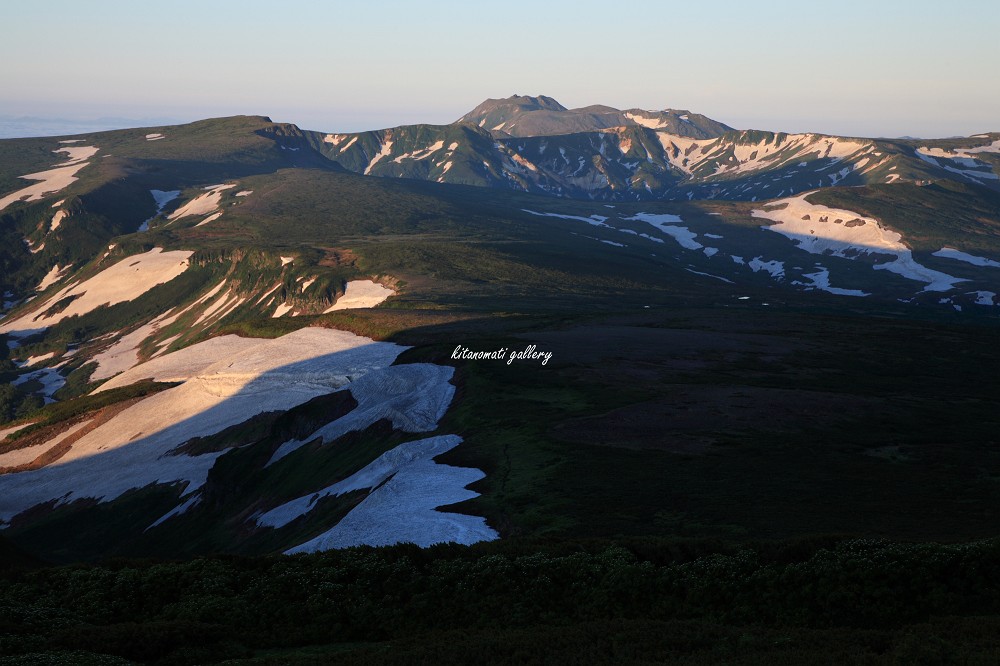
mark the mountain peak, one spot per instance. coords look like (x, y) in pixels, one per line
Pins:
(539, 102)
(507, 107)
(526, 115)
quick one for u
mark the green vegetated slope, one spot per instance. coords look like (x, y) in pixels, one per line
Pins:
(112, 194)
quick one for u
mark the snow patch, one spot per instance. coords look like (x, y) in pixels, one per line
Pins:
(774, 267)
(10, 430)
(974, 169)
(57, 220)
(951, 153)
(162, 198)
(958, 255)
(814, 228)
(409, 487)
(211, 218)
(383, 152)
(28, 454)
(202, 204)
(651, 123)
(124, 281)
(984, 297)
(177, 510)
(420, 154)
(49, 378)
(34, 360)
(55, 179)
(55, 274)
(124, 353)
(136, 448)
(690, 270)
(821, 280)
(735, 157)
(413, 397)
(349, 144)
(361, 294)
(595, 220)
(184, 364)
(663, 221)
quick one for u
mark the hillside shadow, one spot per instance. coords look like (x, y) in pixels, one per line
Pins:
(626, 388)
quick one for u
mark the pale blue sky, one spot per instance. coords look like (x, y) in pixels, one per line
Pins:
(875, 67)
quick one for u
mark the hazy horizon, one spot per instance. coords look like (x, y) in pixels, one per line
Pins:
(857, 69)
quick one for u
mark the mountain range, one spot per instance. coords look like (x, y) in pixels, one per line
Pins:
(238, 336)
(534, 144)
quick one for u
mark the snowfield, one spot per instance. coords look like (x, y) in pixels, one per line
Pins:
(55, 274)
(958, 255)
(184, 364)
(666, 223)
(984, 297)
(594, 220)
(226, 381)
(125, 281)
(124, 353)
(651, 123)
(774, 267)
(57, 220)
(34, 360)
(409, 487)
(49, 378)
(211, 218)
(138, 443)
(690, 155)
(821, 280)
(843, 233)
(30, 453)
(202, 204)
(55, 179)
(162, 198)
(360, 294)
(384, 150)
(413, 397)
(975, 170)
(5, 432)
